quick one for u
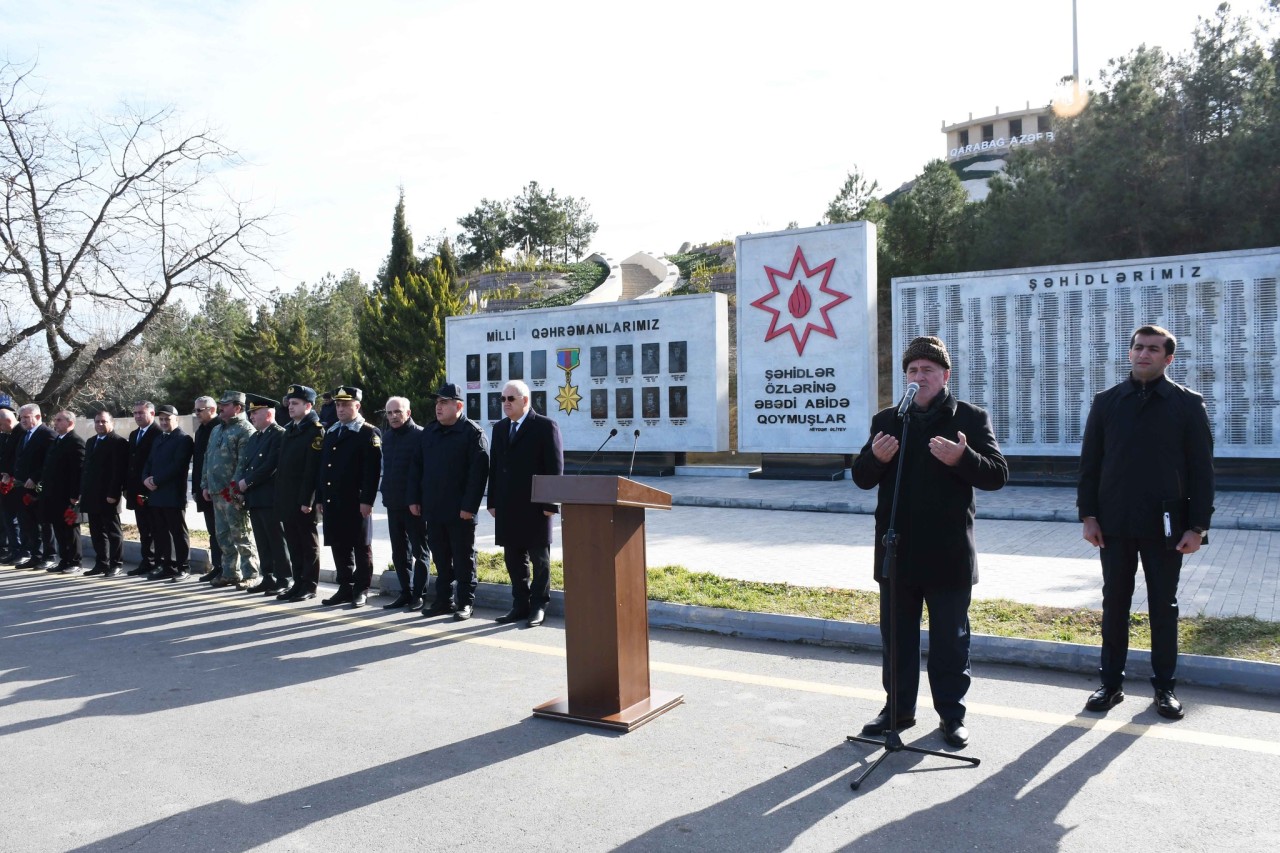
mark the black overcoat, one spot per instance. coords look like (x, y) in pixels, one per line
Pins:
(350, 464)
(1139, 452)
(300, 449)
(537, 449)
(106, 463)
(28, 456)
(935, 514)
(60, 480)
(258, 465)
(197, 464)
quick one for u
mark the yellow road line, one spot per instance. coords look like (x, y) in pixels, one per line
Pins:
(1180, 734)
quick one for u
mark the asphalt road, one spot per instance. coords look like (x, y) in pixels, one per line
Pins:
(149, 717)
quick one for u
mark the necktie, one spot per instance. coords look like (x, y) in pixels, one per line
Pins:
(515, 425)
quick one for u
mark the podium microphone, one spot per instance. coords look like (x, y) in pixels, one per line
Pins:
(611, 434)
(908, 398)
(633, 454)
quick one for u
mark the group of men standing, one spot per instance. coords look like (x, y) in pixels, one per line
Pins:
(265, 489)
(1145, 493)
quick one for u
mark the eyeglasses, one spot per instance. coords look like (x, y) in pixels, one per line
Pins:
(510, 399)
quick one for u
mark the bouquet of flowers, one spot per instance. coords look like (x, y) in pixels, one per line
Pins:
(140, 500)
(232, 494)
(71, 516)
(6, 487)
(29, 498)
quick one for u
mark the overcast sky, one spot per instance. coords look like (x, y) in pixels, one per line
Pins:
(677, 121)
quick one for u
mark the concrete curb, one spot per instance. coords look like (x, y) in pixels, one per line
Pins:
(1200, 670)
(1068, 515)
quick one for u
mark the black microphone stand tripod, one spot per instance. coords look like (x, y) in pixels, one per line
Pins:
(892, 741)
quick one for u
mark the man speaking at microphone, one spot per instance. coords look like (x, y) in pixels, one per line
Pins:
(524, 444)
(951, 451)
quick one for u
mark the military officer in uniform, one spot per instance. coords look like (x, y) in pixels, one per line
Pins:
(300, 449)
(221, 461)
(256, 479)
(350, 465)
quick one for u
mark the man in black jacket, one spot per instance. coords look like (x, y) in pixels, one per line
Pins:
(350, 465)
(257, 481)
(1146, 490)
(296, 475)
(951, 451)
(106, 464)
(60, 491)
(446, 485)
(524, 444)
(140, 442)
(408, 532)
(165, 479)
(28, 466)
(11, 544)
(206, 413)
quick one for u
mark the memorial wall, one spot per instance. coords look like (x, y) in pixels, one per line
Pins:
(1033, 346)
(657, 365)
(807, 339)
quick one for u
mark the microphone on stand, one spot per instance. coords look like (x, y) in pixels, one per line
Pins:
(633, 454)
(908, 398)
(611, 434)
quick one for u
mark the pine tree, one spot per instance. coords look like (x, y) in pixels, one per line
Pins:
(401, 261)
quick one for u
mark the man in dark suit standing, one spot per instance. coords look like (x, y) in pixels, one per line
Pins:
(350, 465)
(524, 443)
(1146, 492)
(140, 443)
(206, 413)
(446, 484)
(296, 473)
(60, 491)
(256, 478)
(28, 467)
(408, 532)
(165, 479)
(106, 464)
(951, 450)
(10, 434)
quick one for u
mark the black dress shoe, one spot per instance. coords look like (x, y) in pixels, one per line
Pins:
(360, 599)
(177, 575)
(536, 615)
(438, 608)
(210, 575)
(159, 574)
(515, 614)
(96, 570)
(48, 564)
(344, 595)
(274, 588)
(463, 613)
(880, 723)
(112, 572)
(25, 563)
(1104, 699)
(401, 601)
(415, 603)
(300, 595)
(285, 593)
(140, 571)
(1168, 706)
(954, 733)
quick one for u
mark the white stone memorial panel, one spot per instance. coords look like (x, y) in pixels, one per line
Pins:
(657, 365)
(806, 339)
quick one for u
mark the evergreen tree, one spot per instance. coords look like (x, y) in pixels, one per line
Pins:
(401, 261)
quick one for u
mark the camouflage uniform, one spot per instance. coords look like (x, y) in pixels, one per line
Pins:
(231, 519)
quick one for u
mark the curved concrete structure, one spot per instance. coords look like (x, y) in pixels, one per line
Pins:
(640, 276)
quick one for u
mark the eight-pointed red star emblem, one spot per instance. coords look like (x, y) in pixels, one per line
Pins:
(799, 302)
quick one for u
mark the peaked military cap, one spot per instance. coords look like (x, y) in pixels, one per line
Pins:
(257, 401)
(166, 410)
(300, 392)
(447, 391)
(232, 397)
(347, 392)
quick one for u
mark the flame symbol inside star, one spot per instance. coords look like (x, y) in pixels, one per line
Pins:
(800, 301)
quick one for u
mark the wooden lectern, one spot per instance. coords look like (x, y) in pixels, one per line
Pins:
(606, 615)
